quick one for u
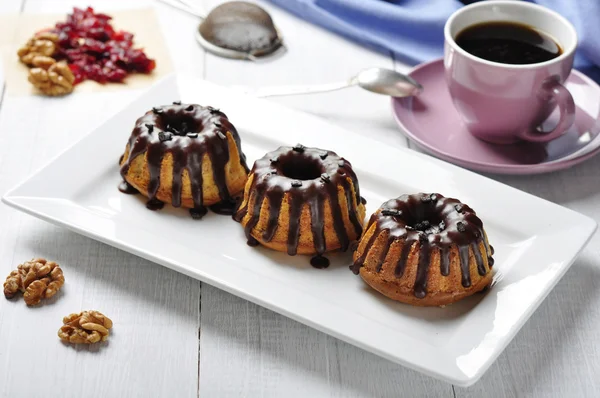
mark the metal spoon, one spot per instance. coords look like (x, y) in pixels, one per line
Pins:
(235, 29)
(377, 80)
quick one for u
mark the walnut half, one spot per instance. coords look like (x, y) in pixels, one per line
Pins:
(37, 279)
(87, 327)
(51, 78)
(42, 44)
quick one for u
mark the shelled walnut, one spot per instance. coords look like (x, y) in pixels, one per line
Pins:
(51, 78)
(44, 44)
(87, 327)
(42, 61)
(37, 279)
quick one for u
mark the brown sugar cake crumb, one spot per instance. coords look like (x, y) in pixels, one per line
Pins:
(87, 327)
(37, 279)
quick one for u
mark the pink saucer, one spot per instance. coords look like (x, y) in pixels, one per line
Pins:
(431, 121)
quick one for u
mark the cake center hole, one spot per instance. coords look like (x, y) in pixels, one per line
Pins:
(179, 124)
(429, 223)
(298, 168)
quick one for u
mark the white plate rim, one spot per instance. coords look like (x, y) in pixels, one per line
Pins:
(588, 227)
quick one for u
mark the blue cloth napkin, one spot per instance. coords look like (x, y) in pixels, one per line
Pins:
(412, 30)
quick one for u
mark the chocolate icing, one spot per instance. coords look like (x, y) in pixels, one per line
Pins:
(226, 207)
(241, 26)
(187, 132)
(437, 223)
(319, 262)
(198, 213)
(308, 176)
(127, 188)
(154, 204)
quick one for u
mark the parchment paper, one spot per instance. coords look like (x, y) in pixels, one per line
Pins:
(16, 29)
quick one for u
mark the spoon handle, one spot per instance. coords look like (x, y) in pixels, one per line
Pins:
(300, 90)
(185, 6)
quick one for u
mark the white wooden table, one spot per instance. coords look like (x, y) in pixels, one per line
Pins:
(176, 337)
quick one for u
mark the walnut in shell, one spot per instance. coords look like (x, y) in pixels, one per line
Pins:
(37, 279)
(51, 78)
(44, 44)
(87, 327)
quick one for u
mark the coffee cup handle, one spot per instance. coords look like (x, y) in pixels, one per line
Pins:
(566, 106)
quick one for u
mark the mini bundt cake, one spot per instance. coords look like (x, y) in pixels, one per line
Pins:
(187, 155)
(302, 200)
(426, 250)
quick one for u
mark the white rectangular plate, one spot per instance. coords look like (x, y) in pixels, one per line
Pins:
(536, 241)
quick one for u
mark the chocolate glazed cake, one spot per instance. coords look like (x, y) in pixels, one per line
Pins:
(302, 200)
(425, 249)
(185, 154)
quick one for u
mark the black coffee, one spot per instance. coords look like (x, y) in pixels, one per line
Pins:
(508, 43)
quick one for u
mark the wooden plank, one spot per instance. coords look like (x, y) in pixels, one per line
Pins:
(11, 6)
(8, 7)
(153, 350)
(247, 350)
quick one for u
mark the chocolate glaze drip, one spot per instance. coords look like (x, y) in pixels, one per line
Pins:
(198, 213)
(241, 26)
(319, 262)
(226, 207)
(187, 132)
(436, 223)
(154, 204)
(308, 176)
(127, 188)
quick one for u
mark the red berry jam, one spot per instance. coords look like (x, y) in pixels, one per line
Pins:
(95, 51)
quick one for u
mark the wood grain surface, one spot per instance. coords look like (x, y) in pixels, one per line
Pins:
(173, 339)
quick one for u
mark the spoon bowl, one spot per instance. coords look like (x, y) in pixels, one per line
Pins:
(388, 82)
